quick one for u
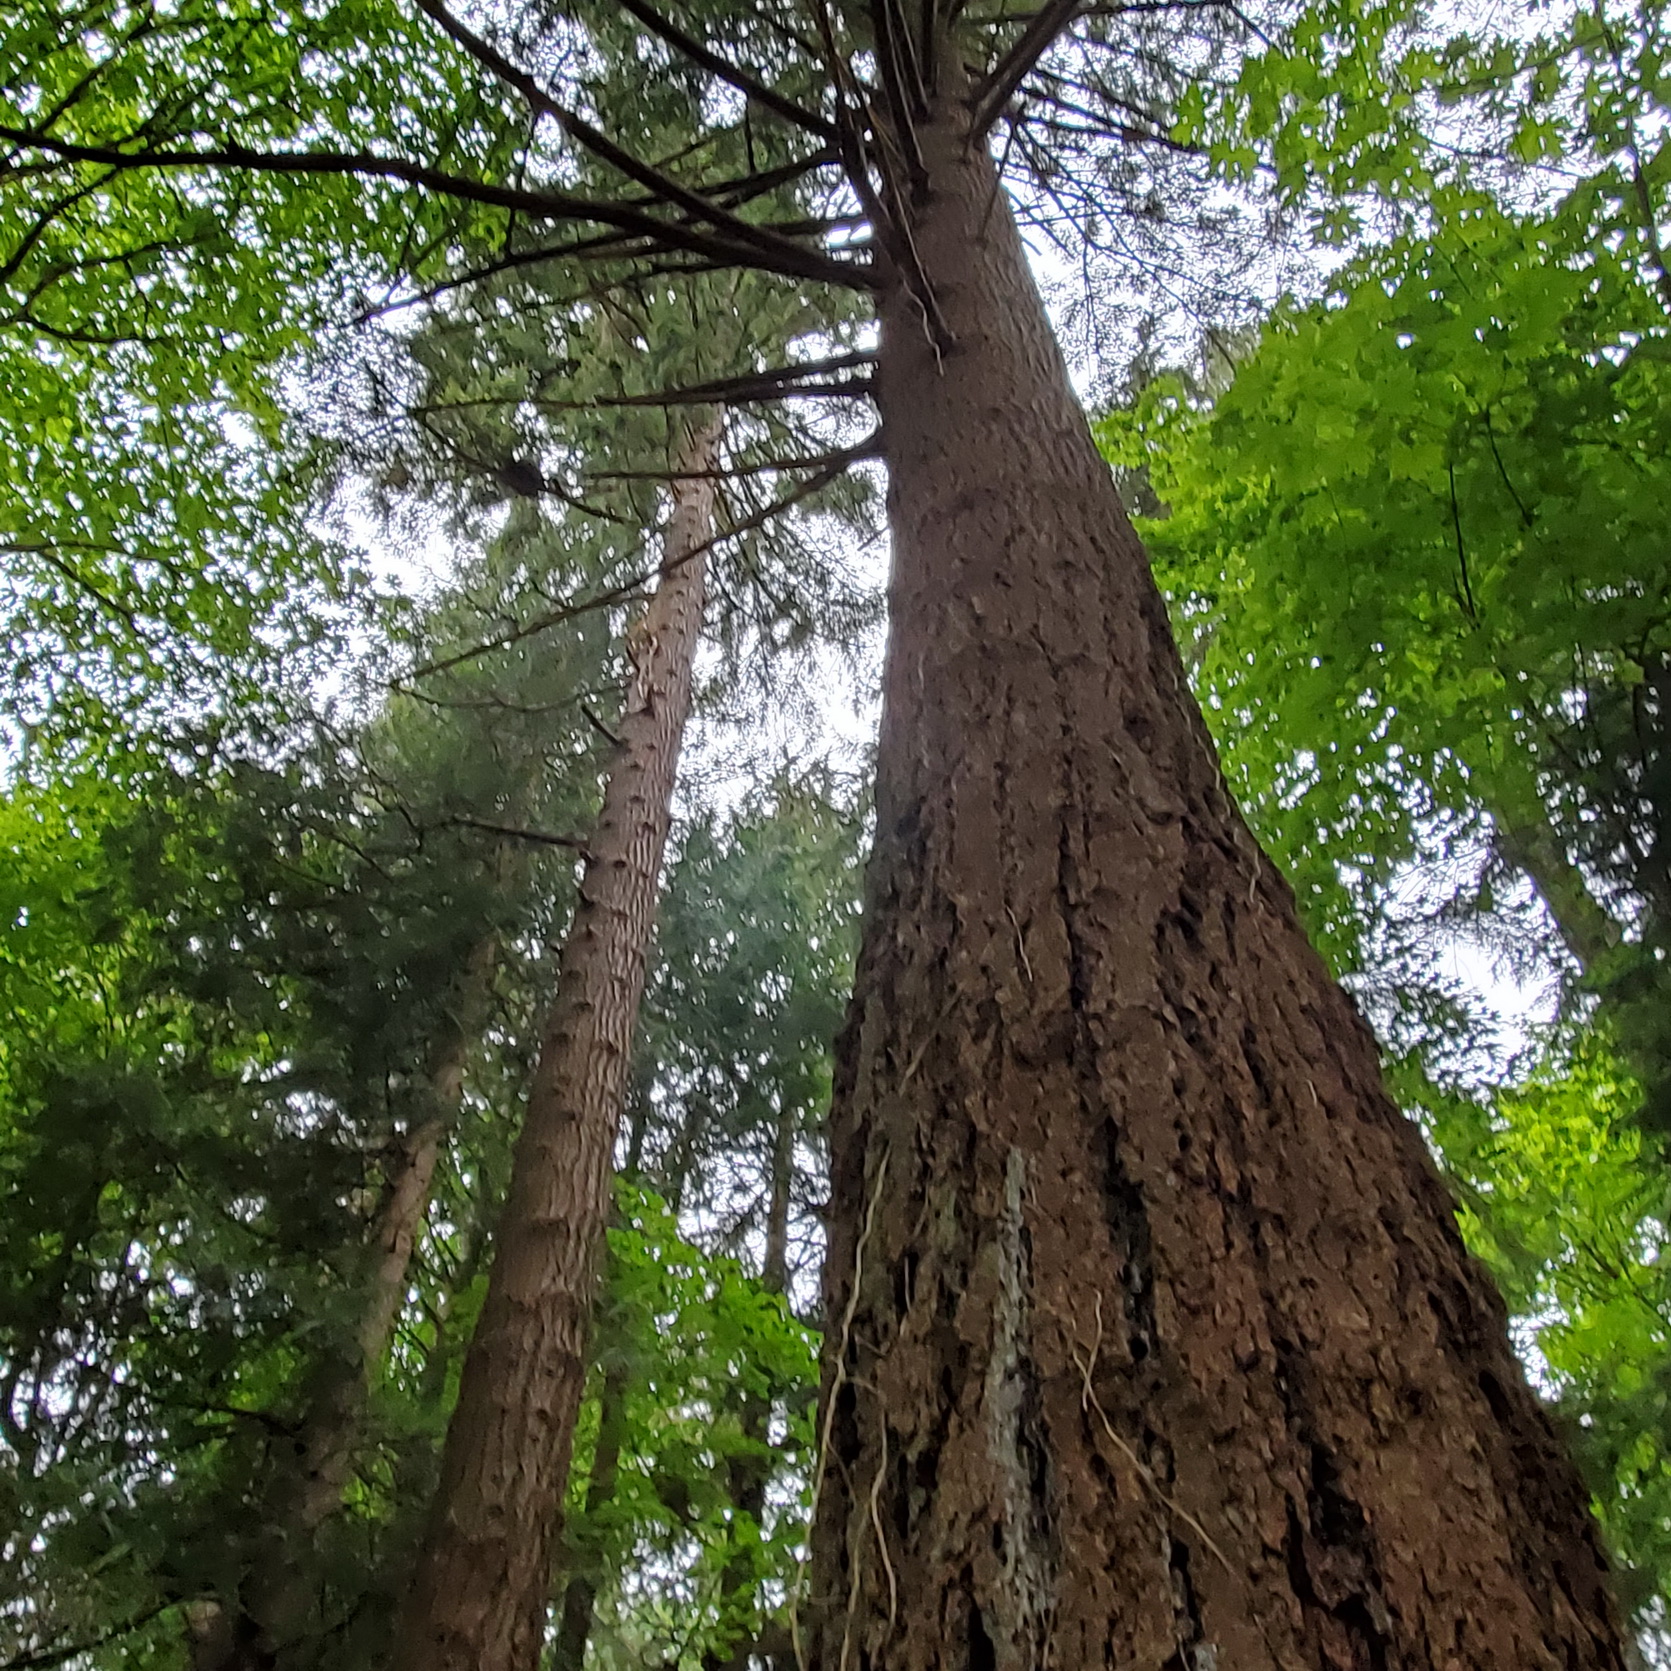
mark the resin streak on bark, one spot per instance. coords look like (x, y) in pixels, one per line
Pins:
(1161, 1349)
(480, 1597)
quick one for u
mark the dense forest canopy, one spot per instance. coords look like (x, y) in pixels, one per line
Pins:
(439, 1230)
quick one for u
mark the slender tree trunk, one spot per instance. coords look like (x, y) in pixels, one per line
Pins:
(328, 1440)
(774, 1266)
(1532, 845)
(275, 1612)
(580, 1593)
(672, 1172)
(1151, 1342)
(748, 1476)
(479, 1601)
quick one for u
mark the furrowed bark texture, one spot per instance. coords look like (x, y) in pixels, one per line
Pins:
(1150, 1339)
(479, 1599)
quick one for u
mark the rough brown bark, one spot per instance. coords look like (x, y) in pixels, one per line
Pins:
(479, 1600)
(1150, 1339)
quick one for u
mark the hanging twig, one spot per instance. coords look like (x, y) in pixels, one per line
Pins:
(1089, 1401)
(844, 1340)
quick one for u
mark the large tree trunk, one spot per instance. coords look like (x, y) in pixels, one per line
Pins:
(1150, 1339)
(479, 1600)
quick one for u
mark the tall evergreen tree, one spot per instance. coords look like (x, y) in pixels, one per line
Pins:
(512, 1432)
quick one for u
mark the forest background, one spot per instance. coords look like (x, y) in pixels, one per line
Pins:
(1380, 352)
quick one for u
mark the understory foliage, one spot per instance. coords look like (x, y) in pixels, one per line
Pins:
(691, 1337)
(218, 1005)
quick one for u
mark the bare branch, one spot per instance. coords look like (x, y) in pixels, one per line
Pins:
(627, 590)
(775, 384)
(896, 59)
(623, 247)
(514, 832)
(1016, 64)
(840, 457)
(662, 186)
(1099, 125)
(777, 255)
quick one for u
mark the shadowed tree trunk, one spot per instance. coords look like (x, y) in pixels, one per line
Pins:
(749, 1475)
(276, 1610)
(479, 1600)
(328, 1440)
(1532, 845)
(1151, 1342)
(580, 1593)
(774, 1263)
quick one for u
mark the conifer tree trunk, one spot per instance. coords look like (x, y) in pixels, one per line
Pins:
(479, 1600)
(774, 1262)
(1151, 1342)
(327, 1440)
(580, 1592)
(272, 1622)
